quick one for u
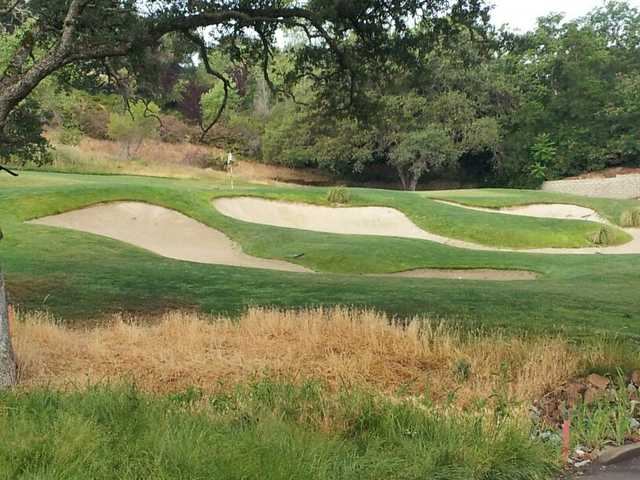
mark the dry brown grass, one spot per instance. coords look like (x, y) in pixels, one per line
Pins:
(341, 347)
(170, 160)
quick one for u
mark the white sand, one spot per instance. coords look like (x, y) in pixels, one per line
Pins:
(380, 221)
(162, 231)
(389, 222)
(477, 274)
(541, 210)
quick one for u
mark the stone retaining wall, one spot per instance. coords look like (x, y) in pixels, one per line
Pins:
(622, 186)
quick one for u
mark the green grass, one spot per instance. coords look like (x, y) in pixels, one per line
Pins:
(81, 277)
(263, 431)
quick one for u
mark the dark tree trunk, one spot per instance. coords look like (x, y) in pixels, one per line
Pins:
(7, 357)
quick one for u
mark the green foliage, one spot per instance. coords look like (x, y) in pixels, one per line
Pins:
(420, 152)
(212, 101)
(608, 419)
(286, 137)
(603, 236)
(302, 432)
(579, 80)
(131, 128)
(69, 136)
(543, 153)
(339, 195)
(22, 141)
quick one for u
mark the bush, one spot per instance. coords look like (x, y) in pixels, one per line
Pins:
(69, 136)
(130, 129)
(202, 158)
(339, 195)
(174, 130)
(631, 218)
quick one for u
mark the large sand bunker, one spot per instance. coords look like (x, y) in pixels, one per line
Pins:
(174, 235)
(162, 231)
(389, 222)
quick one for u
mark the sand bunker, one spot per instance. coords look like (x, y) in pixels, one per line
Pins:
(473, 274)
(380, 221)
(174, 235)
(389, 222)
(162, 231)
(542, 210)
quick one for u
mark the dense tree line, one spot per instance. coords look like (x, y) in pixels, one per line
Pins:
(403, 89)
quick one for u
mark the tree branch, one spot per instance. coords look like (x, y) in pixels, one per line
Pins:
(204, 54)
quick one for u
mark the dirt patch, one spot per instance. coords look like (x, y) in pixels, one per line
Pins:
(162, 231)
(485, 274)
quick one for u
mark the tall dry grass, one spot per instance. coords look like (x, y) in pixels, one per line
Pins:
(340, 347)
(174, 160)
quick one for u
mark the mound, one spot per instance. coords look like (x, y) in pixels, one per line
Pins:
(162, 231)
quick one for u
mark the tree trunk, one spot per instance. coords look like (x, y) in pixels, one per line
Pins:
(403, 178)
(7, 358)
(413, 184)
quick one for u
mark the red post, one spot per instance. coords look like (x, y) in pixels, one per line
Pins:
(566, 440)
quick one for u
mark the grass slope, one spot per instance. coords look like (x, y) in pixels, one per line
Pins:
(83, 276)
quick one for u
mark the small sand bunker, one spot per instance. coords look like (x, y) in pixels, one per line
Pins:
(484, 274)
(542, 210)
(162, 231)
(380, 221)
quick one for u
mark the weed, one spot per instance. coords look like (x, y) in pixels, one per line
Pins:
(630, 218)
(603, 236)
(339, 195)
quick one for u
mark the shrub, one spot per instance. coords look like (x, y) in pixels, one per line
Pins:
(69, 135)
(174, 130)
(130, 129)
(202, 158)
(631, 218)
(339, 195)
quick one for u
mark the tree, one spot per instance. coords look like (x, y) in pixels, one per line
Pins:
(420, 152)
(7, 358)
(576, 84)
(346, 41)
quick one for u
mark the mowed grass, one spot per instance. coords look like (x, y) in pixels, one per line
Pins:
(80, 276)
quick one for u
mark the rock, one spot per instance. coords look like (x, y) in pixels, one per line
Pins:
(635, 378)
(593, 395)
(580, 451)
(634, 424)
(582, 464)
(613, 455)
(598, 381)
